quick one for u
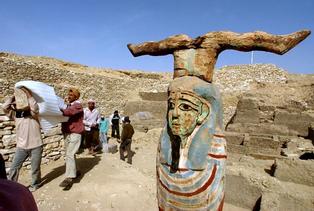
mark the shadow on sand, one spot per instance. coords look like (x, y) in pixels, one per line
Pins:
(84, 165)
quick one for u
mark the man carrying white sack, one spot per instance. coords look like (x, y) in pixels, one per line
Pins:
(24, 110)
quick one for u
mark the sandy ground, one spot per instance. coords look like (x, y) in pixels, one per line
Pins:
(106, 183)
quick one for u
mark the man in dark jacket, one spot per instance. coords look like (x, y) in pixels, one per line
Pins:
(126, 139)
(72, 131)
(115, 120)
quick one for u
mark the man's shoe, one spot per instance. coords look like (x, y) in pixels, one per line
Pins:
(68, 187)
(32, 188)
(91, 152)
(78, 174)
(66, 182)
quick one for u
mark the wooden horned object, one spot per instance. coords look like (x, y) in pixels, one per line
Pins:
(192, 149)
(197, 57)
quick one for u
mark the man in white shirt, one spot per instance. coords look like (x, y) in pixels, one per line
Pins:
(91, 121)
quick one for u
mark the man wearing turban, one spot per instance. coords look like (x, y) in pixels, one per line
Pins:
(72, 131)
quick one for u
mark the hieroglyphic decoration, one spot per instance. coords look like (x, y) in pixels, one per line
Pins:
(192, 150)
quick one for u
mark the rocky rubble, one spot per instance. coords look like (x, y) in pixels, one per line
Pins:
(111, 89)
(239, 78)
(120, 90)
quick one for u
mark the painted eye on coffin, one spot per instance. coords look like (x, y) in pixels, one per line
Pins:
(171, 105)
(186, 107)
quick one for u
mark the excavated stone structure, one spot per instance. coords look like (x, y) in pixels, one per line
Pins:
(192, 149)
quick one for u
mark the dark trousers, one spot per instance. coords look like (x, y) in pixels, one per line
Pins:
(92, 138)
(115, 131)
(126, 146)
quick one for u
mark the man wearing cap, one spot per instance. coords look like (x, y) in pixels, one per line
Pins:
(91, 123)
(28, 134)
(126, 139)
(72, 131)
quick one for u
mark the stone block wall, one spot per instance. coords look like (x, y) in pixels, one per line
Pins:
(254, 117)
(254, 144)
(294, 170)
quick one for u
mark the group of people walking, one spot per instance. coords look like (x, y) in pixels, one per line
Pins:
(96, 129)
(85, 128)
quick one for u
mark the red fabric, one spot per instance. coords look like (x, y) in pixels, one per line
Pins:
(14, 196)
(221, 206)
(75, 122)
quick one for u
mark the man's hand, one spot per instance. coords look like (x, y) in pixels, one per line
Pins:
(94, 125)
(11, 99)
(66, 100)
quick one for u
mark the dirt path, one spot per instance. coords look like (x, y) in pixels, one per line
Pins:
(106, 183)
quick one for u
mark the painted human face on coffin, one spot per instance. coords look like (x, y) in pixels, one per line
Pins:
(185, 112)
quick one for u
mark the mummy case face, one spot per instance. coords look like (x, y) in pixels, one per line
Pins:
(185, 111)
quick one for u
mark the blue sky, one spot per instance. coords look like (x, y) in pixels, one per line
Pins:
(96, 33)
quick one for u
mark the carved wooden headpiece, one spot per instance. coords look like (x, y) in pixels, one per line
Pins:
(197, 57)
